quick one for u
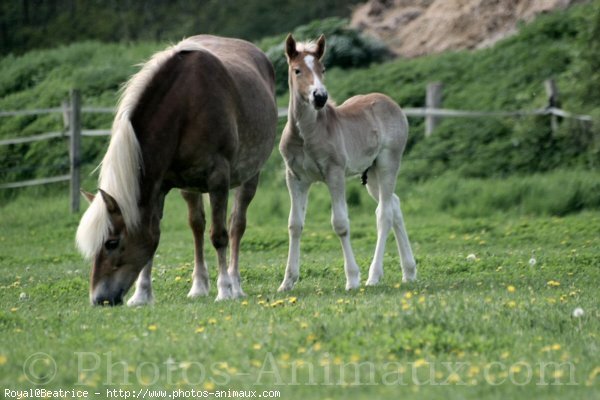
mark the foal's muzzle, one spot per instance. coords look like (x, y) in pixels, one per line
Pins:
(320, 99)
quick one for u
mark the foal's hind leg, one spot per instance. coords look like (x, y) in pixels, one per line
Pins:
(237, 226)
(200, 284)
(380, 184)
(406, 256)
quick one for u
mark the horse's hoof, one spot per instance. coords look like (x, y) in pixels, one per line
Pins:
(198, 291)
(140, 300)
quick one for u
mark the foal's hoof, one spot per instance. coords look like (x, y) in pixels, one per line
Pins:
(372, 282)
(409, 276)
(353, 284)
(287, 285)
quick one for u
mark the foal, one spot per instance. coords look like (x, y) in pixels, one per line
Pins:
(365, 135)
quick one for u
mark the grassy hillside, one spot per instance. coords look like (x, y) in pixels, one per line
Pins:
(508, 76)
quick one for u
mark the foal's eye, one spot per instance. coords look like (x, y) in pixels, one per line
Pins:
(111, 244)
(297, 71)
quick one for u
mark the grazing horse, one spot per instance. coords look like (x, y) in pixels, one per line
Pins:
(321, 142)
(199, 116)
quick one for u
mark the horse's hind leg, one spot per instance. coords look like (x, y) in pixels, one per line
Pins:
(197, 221)
(143, 288)
(237, 226)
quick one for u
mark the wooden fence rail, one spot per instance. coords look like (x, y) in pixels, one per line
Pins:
(72, 111)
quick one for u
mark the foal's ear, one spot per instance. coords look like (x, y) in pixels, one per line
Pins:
(290, 47)
(320, 47)
(87, 195)
(111, 203)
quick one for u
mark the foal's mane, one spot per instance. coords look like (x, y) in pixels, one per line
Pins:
(121, 166)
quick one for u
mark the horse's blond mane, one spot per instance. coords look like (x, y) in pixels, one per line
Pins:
(122, 163)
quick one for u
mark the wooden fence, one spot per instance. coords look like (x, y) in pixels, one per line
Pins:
(72, 111)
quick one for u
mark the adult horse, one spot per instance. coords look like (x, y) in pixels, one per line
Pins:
(321, 142)
(200, 116)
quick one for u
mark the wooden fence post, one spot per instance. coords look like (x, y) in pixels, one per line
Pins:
(433, 100)
(553, 102)
(75, 148)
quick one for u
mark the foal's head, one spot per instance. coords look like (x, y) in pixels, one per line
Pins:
(306, 72)
(118, 254)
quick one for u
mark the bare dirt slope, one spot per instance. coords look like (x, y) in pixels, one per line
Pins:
(416, 27)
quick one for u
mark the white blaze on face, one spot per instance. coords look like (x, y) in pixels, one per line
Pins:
(317, 86)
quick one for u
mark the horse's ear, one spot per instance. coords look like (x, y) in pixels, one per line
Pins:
(290, 47)
(320, 47)
(87, 195)
(111, 203)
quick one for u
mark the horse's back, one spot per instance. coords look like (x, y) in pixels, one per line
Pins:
(212, 102)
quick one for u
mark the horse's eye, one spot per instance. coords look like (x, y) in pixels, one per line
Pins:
(111, 244)
(297, 71)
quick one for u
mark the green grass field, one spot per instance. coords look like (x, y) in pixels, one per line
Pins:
(493, 327)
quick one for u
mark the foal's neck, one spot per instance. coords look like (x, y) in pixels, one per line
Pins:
(304, 118)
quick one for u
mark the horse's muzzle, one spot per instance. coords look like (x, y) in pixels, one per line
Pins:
(108, 300)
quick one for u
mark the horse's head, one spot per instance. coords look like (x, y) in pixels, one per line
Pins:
(306, 72)
(118, 254)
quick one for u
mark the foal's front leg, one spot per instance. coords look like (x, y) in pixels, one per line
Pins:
(299, 196)
(336, 182)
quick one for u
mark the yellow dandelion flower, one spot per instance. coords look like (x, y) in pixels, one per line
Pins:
(200, 329)
(228, 318)
(504, 355)
(303, 325)
(408, 295)
(340, 301)
(212, 321)
(245, 303)
(208, 385)
(317, 346)
(311, 337)
(511, 289)
(555, 347)
(355, 358)
(301, 350)
(285, 357)
(255, 363)
(511, 304)
(3, 359)
(420, 362)
(14, 309)
(152, 327)
(421, 299)
(453, 378)
(177, 278)
(257, 346)
(397, 286)
(553, 283)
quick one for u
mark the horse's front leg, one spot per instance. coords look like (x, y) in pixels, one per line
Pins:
(197, 222)
(336, 182)
(237, 226)
(143, 288)
(219, 236)
(298, 191)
